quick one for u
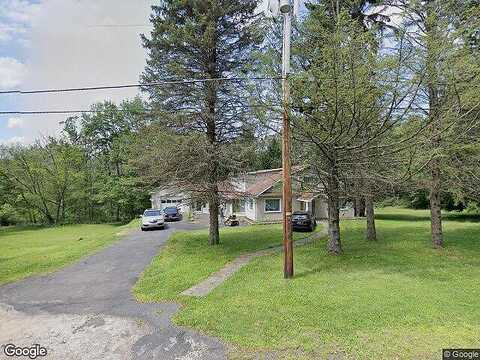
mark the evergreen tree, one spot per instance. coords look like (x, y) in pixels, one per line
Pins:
(201, 40)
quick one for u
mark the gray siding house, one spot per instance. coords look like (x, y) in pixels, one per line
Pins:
(257, 197)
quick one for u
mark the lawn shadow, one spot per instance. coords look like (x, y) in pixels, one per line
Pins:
(452, 216)
(400, 249)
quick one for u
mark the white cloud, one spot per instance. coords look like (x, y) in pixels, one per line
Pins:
(13, 140)
(69, 47)
(14, 123)
(12, 72)
(15, 17)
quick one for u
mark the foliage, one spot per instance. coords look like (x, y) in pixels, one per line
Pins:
(82, 176)
(439, 34)
(472, 208)
(202, 41)
(8, 215)
(346, 110)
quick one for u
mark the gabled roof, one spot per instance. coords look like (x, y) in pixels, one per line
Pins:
(265, 183)
(266, 180)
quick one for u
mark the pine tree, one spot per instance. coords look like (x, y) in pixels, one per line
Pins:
(201, 40)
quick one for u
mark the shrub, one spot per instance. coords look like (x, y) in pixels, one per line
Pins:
(8, 215)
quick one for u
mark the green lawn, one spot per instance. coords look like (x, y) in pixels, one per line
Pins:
(188, 259)
(29, 251)
(394, 299)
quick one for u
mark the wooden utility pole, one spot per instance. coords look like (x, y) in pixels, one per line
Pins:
(286, 9)
(287, 189)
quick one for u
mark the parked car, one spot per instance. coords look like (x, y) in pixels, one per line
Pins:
(303, 220)
(153, 219)
(171, 213)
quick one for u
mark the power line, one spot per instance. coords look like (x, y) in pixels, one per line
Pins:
(194, 81)
(141, 112)
(137, 85)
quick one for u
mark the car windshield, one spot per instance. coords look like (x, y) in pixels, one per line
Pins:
(152, 213)
(170, 210)
(300, 216)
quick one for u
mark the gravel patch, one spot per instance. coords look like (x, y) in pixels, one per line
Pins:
(72, 337)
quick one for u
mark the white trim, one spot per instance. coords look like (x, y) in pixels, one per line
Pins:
(264, 171)
(265, 204)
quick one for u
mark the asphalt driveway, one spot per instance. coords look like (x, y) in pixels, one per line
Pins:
(87, 311)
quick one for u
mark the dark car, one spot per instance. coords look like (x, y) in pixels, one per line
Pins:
(303, 220)
(171, 213)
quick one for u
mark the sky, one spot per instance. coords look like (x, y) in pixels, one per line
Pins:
(66, 43)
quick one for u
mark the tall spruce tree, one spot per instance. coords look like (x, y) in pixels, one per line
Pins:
(441, 33)
(345, 107)
(201, 40)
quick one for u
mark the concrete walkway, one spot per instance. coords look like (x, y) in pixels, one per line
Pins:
(86, 310)
(216, 279)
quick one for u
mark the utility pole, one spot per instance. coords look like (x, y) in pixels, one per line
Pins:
(285, 8)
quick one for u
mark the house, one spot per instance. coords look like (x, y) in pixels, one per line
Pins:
(257, 197)
(262, 198)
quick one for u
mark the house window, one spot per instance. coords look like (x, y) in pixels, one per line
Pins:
(250, 204)
(272, 205)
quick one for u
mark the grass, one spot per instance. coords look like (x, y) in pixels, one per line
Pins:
(188, 259)
(394, 299)
(393, 213)
(32, 250)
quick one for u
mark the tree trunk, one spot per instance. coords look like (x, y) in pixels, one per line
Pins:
(361, 207)
(371, 233)
(356, 208)
(334, 243)
(214, 235)
(58, 211)
(211, 104)
(434, 98)
(435, 207)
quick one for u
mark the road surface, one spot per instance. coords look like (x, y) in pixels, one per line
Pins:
(87, 311)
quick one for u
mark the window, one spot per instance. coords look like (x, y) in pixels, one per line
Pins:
(250, 204)
(272, 205)
(164, 201)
